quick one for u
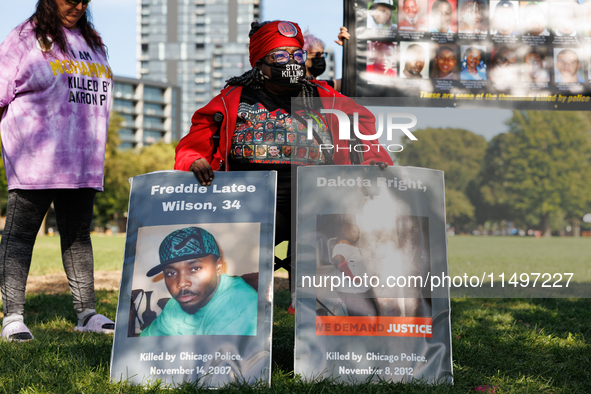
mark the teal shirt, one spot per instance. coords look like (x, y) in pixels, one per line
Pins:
(231, 311)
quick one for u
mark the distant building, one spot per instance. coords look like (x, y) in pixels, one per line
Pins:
(150, 110)
(196, 45)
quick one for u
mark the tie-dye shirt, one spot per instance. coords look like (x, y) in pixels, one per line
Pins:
(54, 127)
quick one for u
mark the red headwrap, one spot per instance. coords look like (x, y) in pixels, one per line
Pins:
(274, 35)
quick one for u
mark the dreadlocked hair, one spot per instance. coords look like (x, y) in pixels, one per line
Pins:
(307, 91)
(254, 79)
(47, 25)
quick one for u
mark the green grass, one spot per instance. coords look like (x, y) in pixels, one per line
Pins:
(521, 346)
(520, 254)
(466, 254)
(47, 257)
(518, 345)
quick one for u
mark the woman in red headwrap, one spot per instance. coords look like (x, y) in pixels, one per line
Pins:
(278, 74)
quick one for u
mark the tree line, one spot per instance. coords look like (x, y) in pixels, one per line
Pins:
(536, 175)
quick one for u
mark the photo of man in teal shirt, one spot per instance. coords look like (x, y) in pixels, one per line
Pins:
(204, 300)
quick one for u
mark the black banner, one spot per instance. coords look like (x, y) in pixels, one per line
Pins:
(449, 53)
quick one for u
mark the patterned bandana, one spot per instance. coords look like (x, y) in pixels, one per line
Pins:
(185, 244)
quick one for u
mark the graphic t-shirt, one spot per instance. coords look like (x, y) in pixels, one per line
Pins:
(55, 123)
(268, 137)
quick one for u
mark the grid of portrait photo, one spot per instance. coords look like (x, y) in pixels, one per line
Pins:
(517, 47)
(264, 136)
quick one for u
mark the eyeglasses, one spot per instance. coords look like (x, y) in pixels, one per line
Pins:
(318, 54)
(282, 57)
(76, 2)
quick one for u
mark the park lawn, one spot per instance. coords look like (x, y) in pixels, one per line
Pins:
(520, 254)
(471, 255)
(108, 254)
(516, 345)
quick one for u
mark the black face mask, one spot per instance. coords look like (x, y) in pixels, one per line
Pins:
(288, 75)
(318, 66)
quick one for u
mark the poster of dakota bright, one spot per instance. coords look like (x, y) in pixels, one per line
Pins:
(368, 240)
(195, 301)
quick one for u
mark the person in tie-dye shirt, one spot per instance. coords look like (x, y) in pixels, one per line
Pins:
(55, 98)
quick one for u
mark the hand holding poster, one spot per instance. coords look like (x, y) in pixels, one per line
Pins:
(368, 241)
(195, 298)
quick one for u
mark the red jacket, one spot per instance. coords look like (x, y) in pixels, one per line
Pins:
(199, 143)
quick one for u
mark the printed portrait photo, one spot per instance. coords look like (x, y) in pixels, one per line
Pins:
(313, 154)
(473, 16)
(568, 65)
(382, 15)
(195, 280)
(346, 246)
(301, 152)
(274, 151)
(261, 151)
(534, 18)
(445, 62)
(504, 63)
(414, 62)
(248, 151)
(412, 15)
(443, 16)
(473, 66)
(287, 151)
(535, 66)
(504, 17)
(563, 18)
(381, 59)
(291, 138)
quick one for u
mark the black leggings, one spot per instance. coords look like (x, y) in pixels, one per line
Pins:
(25, 212)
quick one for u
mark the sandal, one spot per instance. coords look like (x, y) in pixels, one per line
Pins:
(16, 331)
(97, 323)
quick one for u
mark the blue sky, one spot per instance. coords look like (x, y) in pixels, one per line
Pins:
(116, 22)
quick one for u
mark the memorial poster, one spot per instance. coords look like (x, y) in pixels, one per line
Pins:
(368, 240)
(195, 303)
(484, 53)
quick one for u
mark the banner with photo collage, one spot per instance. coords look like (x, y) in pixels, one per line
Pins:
(195, 303)
(484, 53)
